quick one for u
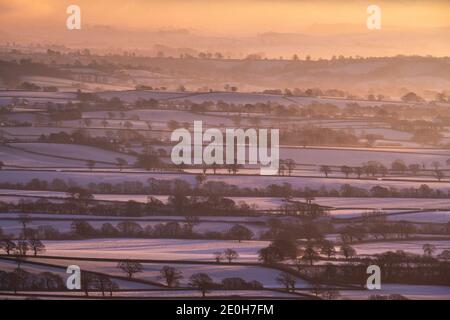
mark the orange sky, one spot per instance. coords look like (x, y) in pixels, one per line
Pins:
(229, 17)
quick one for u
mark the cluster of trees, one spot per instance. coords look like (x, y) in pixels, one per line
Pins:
(227, 254)
(97, 282)
(176, 204)
(201, 281)
(21, 280)
(376, 168)
(11, 71)
(283, 248)
(172, 229)
(81, 137)
(373, 226)
(219, 189)
(29, 241)
(396, 266)
(30, 86)
(318, 136)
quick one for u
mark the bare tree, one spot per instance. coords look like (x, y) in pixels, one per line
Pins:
(347, 251)
(428, 249)
(171, 275)
(326, 170)
(130, 267)
(22, 248)
(202, 282)
(287, 280)
(346, 170)
(218, 256)
(327, 248)
(230, 254)
(7, 245)
(36, 246)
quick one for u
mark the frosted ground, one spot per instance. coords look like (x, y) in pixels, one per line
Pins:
(10, 265)
(158, 249)
(151, 271)
(408, 246)
(415, 292)
(65, 85)
(31, 155)
(202, 250)
(433, 216)
(234, 98)
(383, 203)
(396, 208)
(364, 204)
(84, 178)
(161, 294)
(14, 227)
(7, 97)
(75, 151)
(303, 156)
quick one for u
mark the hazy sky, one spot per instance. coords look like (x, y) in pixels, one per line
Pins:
(318, 28)
(230, 17)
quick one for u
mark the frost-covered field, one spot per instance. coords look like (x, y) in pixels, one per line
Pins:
(161, 294)
(408, 246)
(75, 151)
(132, 95)
(258, 202)
(151, 271)
(416, 292)
(158, 249)
(165, 116)
(228, 97)
(8, 96)
(19, 158)
(383, 203)
(84, 178)
(343, 205)
(430, 216)
(355, 157)
(10, 265)
(352, 213)
(67, 85)
(44, 155)
(29, 266)
(234, 98)
(37, 94)
(15, 228)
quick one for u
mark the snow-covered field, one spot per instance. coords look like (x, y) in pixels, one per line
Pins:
(29, 266)
(19, 158)
(341, 205)
(47, 155)
(415, 292)
(258, 202)
(8, 96)
(383, 203)
(236, 98)
(408, 246)
(430, 216)
(158, 249)
(67, 85)
(14, 227)
(84, 178)
(161, 294)
(151, 271)
(356, 157)
(75, 151)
